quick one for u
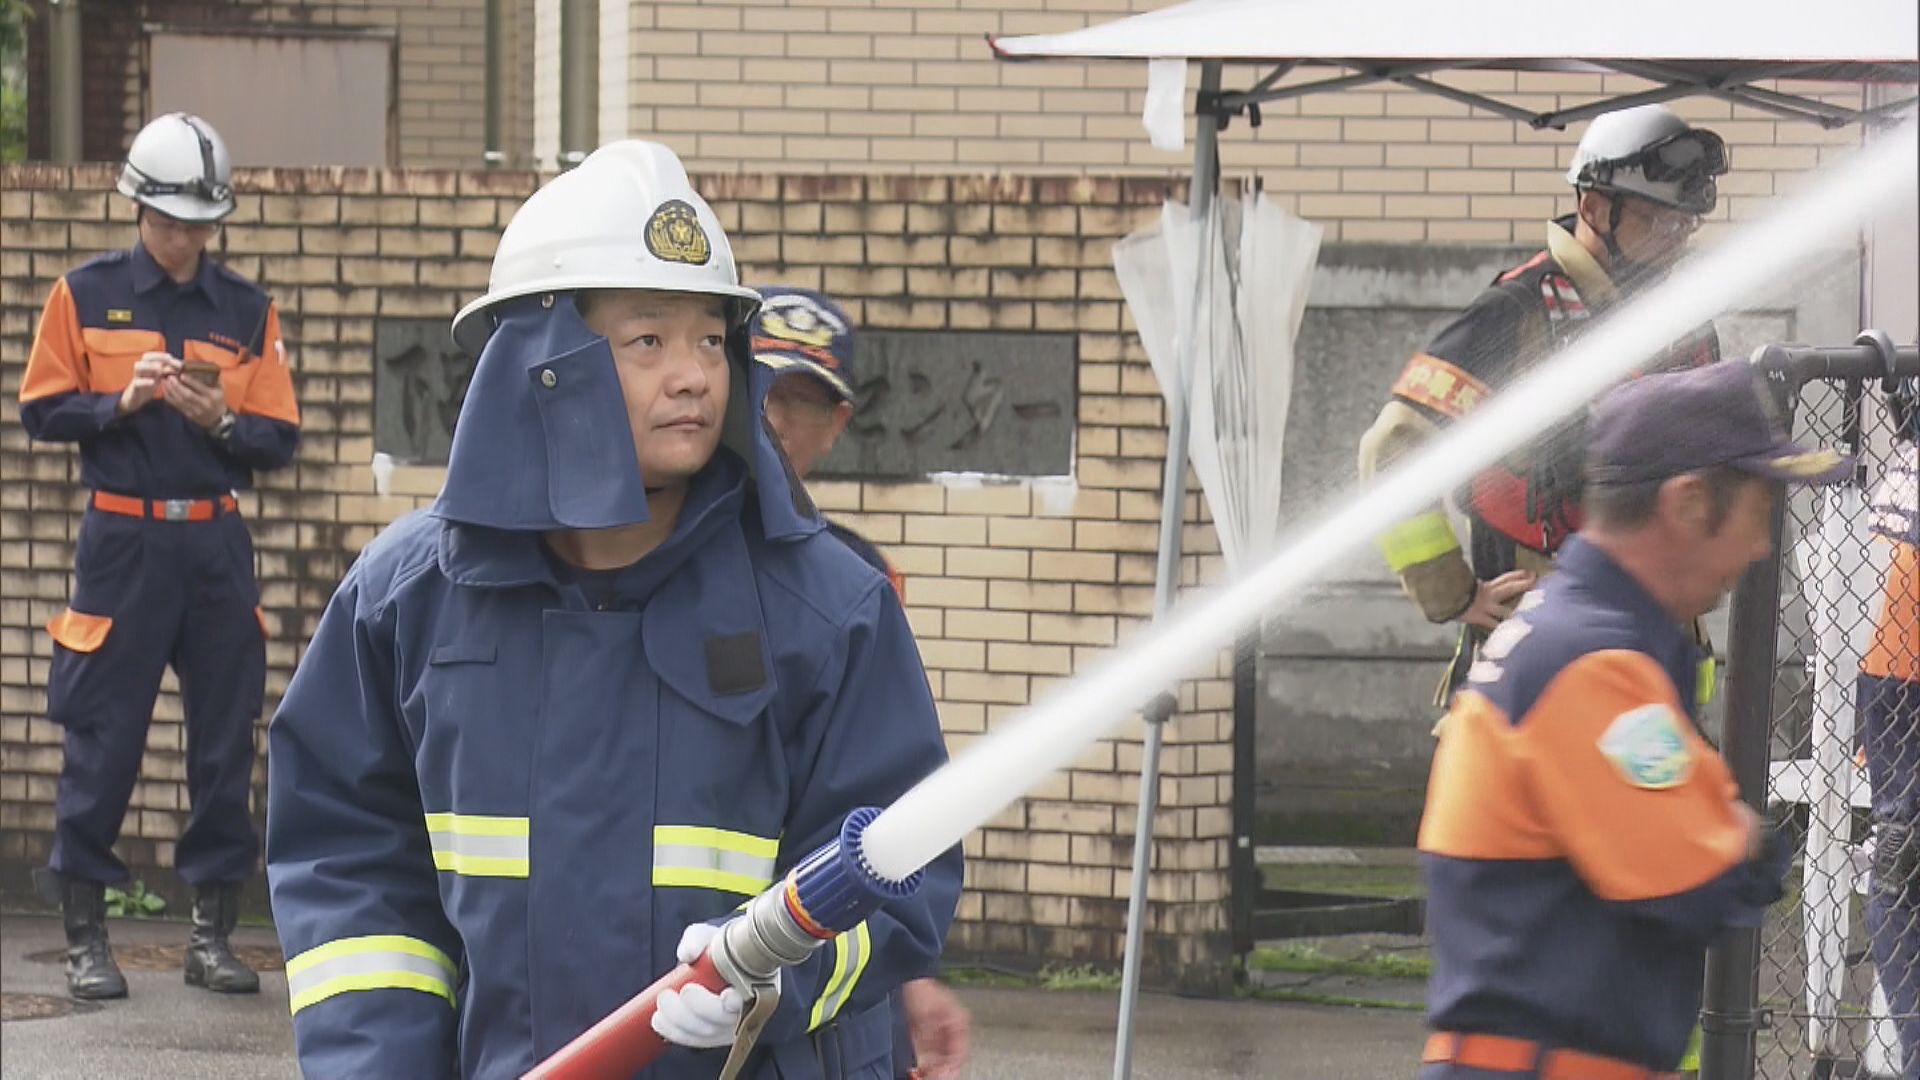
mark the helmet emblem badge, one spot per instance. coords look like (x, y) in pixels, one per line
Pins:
(674, 235)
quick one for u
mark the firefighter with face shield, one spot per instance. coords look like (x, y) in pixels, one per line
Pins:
(554, 730)
(167, 370)
(1643, 178)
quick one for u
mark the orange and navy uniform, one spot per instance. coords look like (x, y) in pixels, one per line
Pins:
(98, 322)
(1579, 844)
(1887, 700)
(163, 564)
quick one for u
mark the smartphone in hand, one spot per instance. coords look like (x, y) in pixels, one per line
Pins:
(201, 371)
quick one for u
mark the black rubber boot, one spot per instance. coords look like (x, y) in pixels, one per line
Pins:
(210, 960)
(91, 973)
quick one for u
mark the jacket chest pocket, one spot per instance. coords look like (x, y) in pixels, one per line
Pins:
(111, 355)
(461, 690)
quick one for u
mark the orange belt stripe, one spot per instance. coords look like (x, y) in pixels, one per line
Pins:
(1497, 1053)
(164, 509)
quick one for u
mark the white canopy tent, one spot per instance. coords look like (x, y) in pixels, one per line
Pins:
(1716, 48)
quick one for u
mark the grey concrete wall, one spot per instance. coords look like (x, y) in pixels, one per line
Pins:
(1347, 673)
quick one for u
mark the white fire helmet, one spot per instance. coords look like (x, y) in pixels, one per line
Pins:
(179, 166)
(1650, 152)
(625, 218)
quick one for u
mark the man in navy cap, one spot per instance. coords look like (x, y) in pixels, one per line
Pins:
(1582, 842)
(806, 342)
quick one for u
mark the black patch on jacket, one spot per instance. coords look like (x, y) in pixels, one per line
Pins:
(734, 664)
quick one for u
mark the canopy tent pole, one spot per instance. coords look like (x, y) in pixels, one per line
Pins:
(1166, 580)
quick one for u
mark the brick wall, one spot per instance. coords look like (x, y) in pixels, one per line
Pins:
(1010, 587)
(440, 87)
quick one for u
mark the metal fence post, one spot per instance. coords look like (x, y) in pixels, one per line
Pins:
(1243, 875)
(1728, 1017)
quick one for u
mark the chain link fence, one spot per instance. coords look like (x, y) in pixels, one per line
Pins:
(1833, 973)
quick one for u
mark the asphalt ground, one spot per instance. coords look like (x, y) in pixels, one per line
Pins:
(168, 1031)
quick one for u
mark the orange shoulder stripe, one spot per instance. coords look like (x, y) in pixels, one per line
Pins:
(1630, 791)
(269, 389)
(1894, 650)
(1478, 803)
(57, 363)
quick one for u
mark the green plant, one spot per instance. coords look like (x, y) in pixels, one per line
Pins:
(1078, 977)
(134, 902)
(13, 93)
(13, 123)
(14, 16)
(1301, 997)
(981, 976)
(1305, 959)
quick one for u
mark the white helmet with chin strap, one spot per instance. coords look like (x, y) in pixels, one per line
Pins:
(1649, 152)
(625, 218)
(179, 166)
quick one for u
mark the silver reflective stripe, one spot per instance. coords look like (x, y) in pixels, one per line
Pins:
(713, 864)
(479, 846)
(700, 857)
(368, 963)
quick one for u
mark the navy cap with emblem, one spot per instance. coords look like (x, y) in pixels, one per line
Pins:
(802, 330)
(1725, 414)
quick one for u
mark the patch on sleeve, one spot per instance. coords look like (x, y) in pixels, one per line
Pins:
(1508, 634)
(1647, 747)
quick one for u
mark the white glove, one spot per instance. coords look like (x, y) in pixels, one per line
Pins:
(694, 1015)
(697, 1017)
(694, 941)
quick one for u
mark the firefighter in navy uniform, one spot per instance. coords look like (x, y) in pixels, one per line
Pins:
(1582, 843)
(552, 731)
(167, 369)
(1887, 700)
(1644, 178)
(807, 342)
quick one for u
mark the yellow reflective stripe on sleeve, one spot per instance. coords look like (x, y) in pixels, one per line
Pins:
(1705, 681)
(698, 857)
(477, 825)
(478, 845)
(851, 951)
(374, 962)
(1417, 540)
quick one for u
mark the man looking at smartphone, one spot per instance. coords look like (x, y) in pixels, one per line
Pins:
(168, 370)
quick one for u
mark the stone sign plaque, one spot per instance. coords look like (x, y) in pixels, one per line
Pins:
(959, 401)
(419, 380)
(927, 401)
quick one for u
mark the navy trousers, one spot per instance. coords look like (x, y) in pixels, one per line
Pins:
(148, 594)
